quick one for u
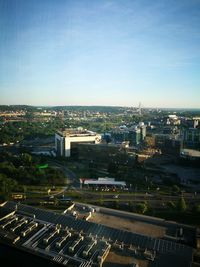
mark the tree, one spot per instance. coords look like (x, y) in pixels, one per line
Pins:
(171, 205)
(7, 184)
(24, 188)
(7, 168)
(141, 208)
(196, 208)
(27, 158)
(116, 204)
(181, 205)
(176, 189)
(130, 205)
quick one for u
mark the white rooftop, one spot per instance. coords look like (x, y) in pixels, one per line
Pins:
(102, 181)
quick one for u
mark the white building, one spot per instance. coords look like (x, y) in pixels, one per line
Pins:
(64, 139)
(102, 182)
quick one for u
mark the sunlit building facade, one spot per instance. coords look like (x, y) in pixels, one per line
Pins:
(65, 139)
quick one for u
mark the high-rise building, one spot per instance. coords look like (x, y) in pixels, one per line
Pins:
(136, 134)
(143, 132)
(191, 138)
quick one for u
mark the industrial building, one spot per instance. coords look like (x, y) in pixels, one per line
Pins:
(42, 233)
(68, 241)
(65, 139)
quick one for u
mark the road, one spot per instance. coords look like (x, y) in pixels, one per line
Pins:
(155, 199)
(140, 196)
(71, 176)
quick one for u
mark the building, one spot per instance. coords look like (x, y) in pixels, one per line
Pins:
(150, 141)
(104, 155)
(65, 139)
(102, 182)
(120, 134)
(172, 120)
(138, 134)
(63, 240)
(135, 134)
(143, 133)
(191, 138)
(191, 122)
(190, 157)
(169, 144)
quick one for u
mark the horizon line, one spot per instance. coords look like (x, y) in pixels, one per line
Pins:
(120, 106)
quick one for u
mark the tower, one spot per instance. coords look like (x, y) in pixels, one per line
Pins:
(139, 109)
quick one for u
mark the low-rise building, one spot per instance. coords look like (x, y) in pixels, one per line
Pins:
(102, 182)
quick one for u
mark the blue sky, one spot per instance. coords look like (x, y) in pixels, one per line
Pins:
(100, 52)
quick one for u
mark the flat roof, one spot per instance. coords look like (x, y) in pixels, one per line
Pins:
(76, 132)
(102, 182)
(172, 254)
(190, 153)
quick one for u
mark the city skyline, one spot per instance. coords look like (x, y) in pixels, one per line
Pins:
(104, 53)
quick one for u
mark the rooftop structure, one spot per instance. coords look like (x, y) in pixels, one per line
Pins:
(6, 213)
(63, 239)
(76, 132)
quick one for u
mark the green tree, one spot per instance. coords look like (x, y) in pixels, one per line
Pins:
(24, 188)
(130, 205)
(196, 208)
(141, 208)
(7, 168)
(176, 189)
(116, 204)
(181, 205)
(27, 158)
(171, 205)
(7, 184)
(101, 201)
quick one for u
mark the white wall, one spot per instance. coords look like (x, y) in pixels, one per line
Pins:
(79, 139)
